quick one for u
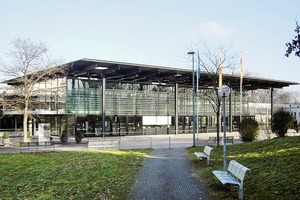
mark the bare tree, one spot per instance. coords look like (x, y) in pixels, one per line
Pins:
(258, 96)
(212, 60)
(262, 98)
(28, 65)
(279, 96)
(295, 96)
(287, 97)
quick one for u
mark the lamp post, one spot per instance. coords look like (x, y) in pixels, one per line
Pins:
(224, 92)
(193, 79)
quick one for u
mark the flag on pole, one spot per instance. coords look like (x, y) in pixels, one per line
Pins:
(198, 69)
(242, 71)
(220, 70)
(198, 78)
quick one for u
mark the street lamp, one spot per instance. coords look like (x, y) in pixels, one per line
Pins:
(193, 79)
(224, 92)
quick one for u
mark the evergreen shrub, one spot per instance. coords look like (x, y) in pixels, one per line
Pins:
(249, 129)
(281, 122)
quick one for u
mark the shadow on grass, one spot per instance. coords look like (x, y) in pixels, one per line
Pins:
(274, 166)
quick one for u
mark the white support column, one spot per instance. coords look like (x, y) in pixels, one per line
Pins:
(103, 104)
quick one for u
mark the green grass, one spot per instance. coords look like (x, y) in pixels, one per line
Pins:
(69, 175)
(274, 169)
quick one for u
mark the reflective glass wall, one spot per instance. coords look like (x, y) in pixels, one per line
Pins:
(127, 103)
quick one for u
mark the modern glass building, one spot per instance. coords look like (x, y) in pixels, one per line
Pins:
(114, 98)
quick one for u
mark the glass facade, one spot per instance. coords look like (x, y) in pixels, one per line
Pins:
(127, 103)
(124, 99)
(76, 104)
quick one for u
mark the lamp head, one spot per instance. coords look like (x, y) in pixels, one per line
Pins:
(191, 53)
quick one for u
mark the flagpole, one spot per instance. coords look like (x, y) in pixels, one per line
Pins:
(220, 69)
(197, 121)
(241, 89)
(197, 93)
(220, 84)
(193, 77)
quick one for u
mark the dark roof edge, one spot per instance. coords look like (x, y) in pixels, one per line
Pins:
(184, 70)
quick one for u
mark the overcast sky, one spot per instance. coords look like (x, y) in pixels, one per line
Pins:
(158, 32)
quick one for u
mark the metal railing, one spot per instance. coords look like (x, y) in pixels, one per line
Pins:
(139, 142)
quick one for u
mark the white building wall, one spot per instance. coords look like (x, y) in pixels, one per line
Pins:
(294, 109)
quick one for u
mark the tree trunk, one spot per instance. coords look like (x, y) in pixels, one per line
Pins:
(218, 126)
(25, 118)
(218, 122)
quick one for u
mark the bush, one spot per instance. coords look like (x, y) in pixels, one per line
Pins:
(281, 122)
(64, 137)
(5, 135)
(249, 129)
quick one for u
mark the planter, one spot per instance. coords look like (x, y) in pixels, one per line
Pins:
(6, 142)
(78, 139)
(78, 136)
(64, 139)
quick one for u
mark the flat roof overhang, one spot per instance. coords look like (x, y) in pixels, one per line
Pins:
(149, 74)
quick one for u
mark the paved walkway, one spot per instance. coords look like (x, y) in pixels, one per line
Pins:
(167, 175)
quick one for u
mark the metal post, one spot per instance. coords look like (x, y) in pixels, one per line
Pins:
(224, 136)
(193, 79)
(194, 118)
(230, 113)
(224, 91)
(272, 102)
(197, 115)
(176, 108)
(241, 102)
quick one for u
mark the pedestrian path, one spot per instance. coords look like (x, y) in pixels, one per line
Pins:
(167, 175)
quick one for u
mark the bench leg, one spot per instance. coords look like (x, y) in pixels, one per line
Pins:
(241, 193)
(207, 161)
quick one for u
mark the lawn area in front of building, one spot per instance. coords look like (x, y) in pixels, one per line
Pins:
(274, 169)
(69, 175)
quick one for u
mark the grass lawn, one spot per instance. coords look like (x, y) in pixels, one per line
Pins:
(274, 169)
(69, 175)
